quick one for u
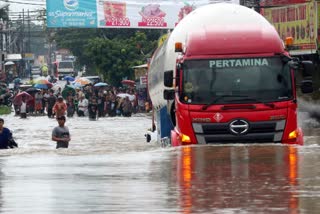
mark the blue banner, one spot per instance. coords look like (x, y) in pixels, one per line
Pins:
(72, 13)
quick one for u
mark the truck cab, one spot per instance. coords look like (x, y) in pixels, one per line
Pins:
(227, 80)
(65, 68)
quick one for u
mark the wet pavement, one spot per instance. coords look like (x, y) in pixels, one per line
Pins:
(109, 168)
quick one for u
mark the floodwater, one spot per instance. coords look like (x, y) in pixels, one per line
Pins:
(109, 168)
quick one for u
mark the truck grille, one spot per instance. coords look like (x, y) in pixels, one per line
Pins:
(257, 132)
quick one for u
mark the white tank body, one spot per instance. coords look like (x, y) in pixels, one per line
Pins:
(220, 14)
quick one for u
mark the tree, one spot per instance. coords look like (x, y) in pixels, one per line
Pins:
(109, 52)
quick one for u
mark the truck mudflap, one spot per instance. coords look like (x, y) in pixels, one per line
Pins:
(175, 138)
(300, 140)
(295, 138)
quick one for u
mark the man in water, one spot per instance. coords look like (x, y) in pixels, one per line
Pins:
(61, 133)
(5, 137)
(60, 107)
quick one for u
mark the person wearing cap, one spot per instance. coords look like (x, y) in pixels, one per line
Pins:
(61, 133)
(60, 107)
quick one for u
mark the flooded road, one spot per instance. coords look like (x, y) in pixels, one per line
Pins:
(109, 168)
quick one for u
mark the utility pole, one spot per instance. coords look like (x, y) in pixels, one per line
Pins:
(29, 33)
(22, 34)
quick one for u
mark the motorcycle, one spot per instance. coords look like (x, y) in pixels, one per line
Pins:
(6, 99)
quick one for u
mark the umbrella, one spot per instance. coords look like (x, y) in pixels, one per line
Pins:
(17, 80)
(42, 83)
(123, 95)
(67, 91)
(32, 90)
(82, 81)
(69, 78)
(18, 98)
(43, 86)
(41, 80)
(9, 63)
(77, 85)
(128, 82)
(101, 84)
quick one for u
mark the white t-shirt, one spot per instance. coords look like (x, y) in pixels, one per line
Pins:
(83, 105)
(23, 107)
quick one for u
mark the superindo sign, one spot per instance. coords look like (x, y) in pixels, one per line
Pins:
(122, 13)
(71, 13)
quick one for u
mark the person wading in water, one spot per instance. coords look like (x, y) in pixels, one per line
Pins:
(61, 133)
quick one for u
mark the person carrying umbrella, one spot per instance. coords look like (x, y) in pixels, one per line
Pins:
(21, 102)
(23, 107)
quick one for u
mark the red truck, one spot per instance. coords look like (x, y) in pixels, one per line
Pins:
(225, 76)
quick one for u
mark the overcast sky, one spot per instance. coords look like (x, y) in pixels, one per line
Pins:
(19, 5)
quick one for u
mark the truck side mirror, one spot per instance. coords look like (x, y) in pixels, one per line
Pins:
(168, 94)
(168, 78)
(306, 86)
(308, 68)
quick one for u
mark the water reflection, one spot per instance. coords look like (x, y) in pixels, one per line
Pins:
(109, 168)
(196, 179)
(251, 178)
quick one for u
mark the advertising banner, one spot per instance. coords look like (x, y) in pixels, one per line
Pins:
(163, 14)
(281, 2)
(72, 13)
(298, 21)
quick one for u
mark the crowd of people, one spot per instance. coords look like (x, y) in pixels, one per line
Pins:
(63, 101)
(88, 101)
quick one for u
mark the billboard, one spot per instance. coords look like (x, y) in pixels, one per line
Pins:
(298, 21)
(161, 14)
(72, 13)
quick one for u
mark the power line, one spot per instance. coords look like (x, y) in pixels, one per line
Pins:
(30, 11)
(26, 3)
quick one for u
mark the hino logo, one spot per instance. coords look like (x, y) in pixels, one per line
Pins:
(239, 127)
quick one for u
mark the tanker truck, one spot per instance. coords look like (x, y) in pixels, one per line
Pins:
(223, 75)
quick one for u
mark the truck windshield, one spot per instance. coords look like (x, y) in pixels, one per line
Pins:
(229, 80)
(65, 64)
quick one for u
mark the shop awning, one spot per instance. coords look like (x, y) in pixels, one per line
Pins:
(141, 66)
(13, 57)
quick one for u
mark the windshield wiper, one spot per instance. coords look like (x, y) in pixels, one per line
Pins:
(271, 105)
(219, 98)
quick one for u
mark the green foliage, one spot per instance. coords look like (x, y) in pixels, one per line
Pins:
(5, 110)
(110, 52)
